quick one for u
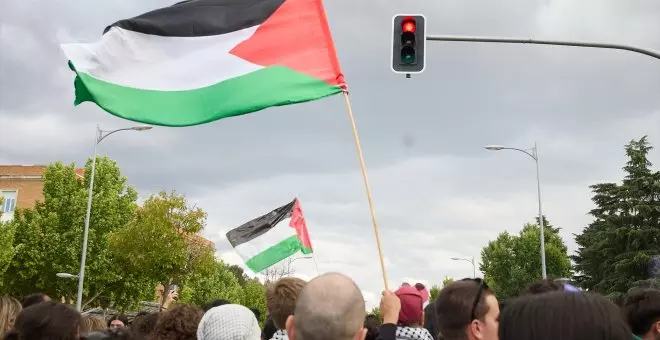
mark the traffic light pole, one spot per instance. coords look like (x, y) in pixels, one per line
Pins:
(505, 40)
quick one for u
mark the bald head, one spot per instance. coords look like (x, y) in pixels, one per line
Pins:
(330, 307)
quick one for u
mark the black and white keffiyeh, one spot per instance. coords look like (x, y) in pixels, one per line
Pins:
(280, 335)
(412, 333)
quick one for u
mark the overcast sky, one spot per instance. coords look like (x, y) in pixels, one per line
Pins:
(437, 192)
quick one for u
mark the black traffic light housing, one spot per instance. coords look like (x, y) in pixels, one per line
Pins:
(408, 43)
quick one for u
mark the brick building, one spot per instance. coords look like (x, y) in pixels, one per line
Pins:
(21, 186)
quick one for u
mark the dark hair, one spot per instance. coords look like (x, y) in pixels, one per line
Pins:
(178, 323)
(120, 317)
(111, 334)
(256, 312)
(641, 309)
(47, 320)
(144, 325)
(215, 303)
(269, 329)
(562, 315)
(371, 323)
(543, 286)
(33, 299)
(455, 303)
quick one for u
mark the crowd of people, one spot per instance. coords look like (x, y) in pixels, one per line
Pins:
(331, 307)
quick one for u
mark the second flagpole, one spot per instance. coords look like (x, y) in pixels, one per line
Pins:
(368, 189)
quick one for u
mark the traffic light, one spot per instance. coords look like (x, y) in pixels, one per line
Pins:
(408, 43)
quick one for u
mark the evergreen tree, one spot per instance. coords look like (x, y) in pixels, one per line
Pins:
(615, 249)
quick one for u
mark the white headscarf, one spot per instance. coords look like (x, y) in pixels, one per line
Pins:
(229, 322)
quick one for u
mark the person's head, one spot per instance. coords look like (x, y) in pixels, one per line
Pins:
(330, 307)
(47, 320)
(215, 303)
(33, 299)
(641, 309)
(233, 322)
(118, 321)
(9, 309)
(543, 286)
(269, 329)
(178, 323)
(256, 312)
(412, 307)
(562, 315)
(144, 325)
(111, 334)
(281, 299)
(372, 321)
(371, 324)
(91, 323)
(467, 310)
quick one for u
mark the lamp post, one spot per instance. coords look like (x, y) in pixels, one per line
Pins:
(98, 137)
(534, 154)
(471, 260)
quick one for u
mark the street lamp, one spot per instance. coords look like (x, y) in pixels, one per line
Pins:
(471, 260)
(66, 276)
(99, 136)
(534, 154)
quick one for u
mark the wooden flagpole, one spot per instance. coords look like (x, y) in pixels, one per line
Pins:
(316, 265)
(367, 187)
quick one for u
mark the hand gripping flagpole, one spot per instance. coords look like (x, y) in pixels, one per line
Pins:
(368, 188)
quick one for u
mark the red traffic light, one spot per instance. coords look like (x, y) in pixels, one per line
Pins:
(409, 26)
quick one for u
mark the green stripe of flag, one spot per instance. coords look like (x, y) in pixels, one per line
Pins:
(275, 254)
(270, 86)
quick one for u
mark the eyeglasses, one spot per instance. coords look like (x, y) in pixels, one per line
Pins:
(482, 287)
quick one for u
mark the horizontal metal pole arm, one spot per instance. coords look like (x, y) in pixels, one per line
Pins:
(505, 40)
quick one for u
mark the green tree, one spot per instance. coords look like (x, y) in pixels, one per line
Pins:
(376, 312)
(220, 284)
(160, 245)
(49, 236)
(511, 262)
(254, 296)
(433, 292)
(614, 250)
(447, 280)
(7, 249)
(239, 273)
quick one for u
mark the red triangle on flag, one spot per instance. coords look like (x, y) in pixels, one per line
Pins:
(298, 223)
(297, 36)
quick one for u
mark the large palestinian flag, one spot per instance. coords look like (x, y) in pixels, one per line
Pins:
(271, 238)
(202, 60)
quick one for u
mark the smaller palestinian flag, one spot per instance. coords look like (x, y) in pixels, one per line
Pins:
(271, 238)
(198, 61)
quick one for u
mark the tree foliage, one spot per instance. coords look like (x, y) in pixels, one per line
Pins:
(161, 244)
(376, 312)
(512, 262)
(614, 250)
(131, 249)
(239, 273)
(254, 296)
(49, 236)
(7, 249)
(434, 292)
(219, 284)
(447, 280)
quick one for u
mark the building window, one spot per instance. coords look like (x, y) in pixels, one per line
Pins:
(9, 203)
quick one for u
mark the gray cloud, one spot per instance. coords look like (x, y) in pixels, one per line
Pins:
(438, 194)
